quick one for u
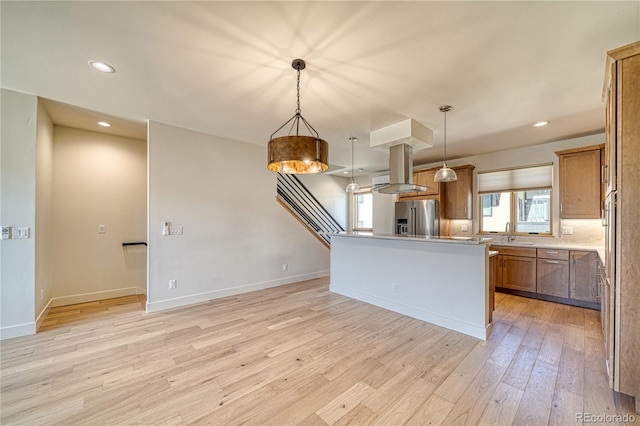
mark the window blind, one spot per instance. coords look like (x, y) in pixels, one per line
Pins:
(516, 179)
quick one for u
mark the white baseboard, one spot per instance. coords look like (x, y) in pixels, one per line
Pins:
(19, 330)
(178, 302)
(92, 297)
(43, 314)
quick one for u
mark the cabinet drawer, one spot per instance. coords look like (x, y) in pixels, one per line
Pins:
(553, 254)
(516, 251)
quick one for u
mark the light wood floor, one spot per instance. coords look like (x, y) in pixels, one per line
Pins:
(298, 354)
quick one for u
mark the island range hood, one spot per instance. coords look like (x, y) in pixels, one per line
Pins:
(400, 171)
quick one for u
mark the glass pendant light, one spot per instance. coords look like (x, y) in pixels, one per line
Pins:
(295, 153)
(445, 174)
(353, 186)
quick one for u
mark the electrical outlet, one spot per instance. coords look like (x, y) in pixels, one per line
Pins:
(102, 229)
(567, 230)
(6, 232)
(285, 267)
(394, 287)
(464, 228)
(173, 283)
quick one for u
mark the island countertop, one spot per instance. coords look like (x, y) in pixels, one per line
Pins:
(421, 238)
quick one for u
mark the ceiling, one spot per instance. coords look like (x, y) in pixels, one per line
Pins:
(224, 68)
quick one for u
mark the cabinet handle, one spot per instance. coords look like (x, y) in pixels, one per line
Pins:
(604, 178)
(605, 213)
(561, 207)
(552, 252)
(555, 262)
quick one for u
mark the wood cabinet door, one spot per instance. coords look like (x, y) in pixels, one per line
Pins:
(609, 177)
(580, 189)
(495, 270)
(584, 276)
(519, 273)
(553, 277)
(425, 178)
(458, 194)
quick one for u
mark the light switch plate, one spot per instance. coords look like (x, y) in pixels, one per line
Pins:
(6, 233)
(20, 232)
(175, 230)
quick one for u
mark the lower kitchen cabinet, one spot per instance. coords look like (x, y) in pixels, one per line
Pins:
(553, 277)
(519, 273)
(584, 276)
(563, 276)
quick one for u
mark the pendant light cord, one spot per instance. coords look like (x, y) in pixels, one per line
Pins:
(298, 110)
(445, 137)
(351, 158)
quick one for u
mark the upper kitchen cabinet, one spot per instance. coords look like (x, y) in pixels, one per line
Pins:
(424, 178)
(609, 165)
(580, 182)
(458, 194)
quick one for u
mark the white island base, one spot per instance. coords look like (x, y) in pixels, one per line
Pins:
(440, 281)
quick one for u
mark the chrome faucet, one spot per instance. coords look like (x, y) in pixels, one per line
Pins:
(507, 229)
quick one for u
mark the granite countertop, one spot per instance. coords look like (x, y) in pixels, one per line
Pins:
(421, 238)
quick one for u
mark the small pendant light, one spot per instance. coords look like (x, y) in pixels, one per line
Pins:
(445, 174)
(353, 186)
(294, 153)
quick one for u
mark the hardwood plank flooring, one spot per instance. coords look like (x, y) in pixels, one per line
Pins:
(298, 354)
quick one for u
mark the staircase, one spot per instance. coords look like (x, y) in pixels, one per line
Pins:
(297, 199)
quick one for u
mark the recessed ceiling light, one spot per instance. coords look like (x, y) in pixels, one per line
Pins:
(346, 172)
(540, 123)
(104, 124)
(101, 66)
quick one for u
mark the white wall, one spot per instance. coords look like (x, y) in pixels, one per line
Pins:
(17, 208)
(236, 235)
(329, 191)
(43, 228)
(98, 179)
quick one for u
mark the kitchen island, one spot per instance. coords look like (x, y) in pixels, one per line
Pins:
(444, 281)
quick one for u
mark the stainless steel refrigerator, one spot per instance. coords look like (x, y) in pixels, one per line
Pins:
(420, 217)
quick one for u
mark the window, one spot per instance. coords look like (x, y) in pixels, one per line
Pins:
(520, 197)
(363, 211)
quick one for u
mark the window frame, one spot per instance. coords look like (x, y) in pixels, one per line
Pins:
(354, 218)
(513, 213)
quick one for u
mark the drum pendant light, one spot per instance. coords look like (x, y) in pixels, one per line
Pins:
(353, 186)
(445, 174)
(295, 154)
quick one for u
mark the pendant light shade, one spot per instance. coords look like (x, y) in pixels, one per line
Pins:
(353, 186)
(296, 154)
(445, 174)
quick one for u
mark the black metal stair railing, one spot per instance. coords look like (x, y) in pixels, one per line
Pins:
(293, 195)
